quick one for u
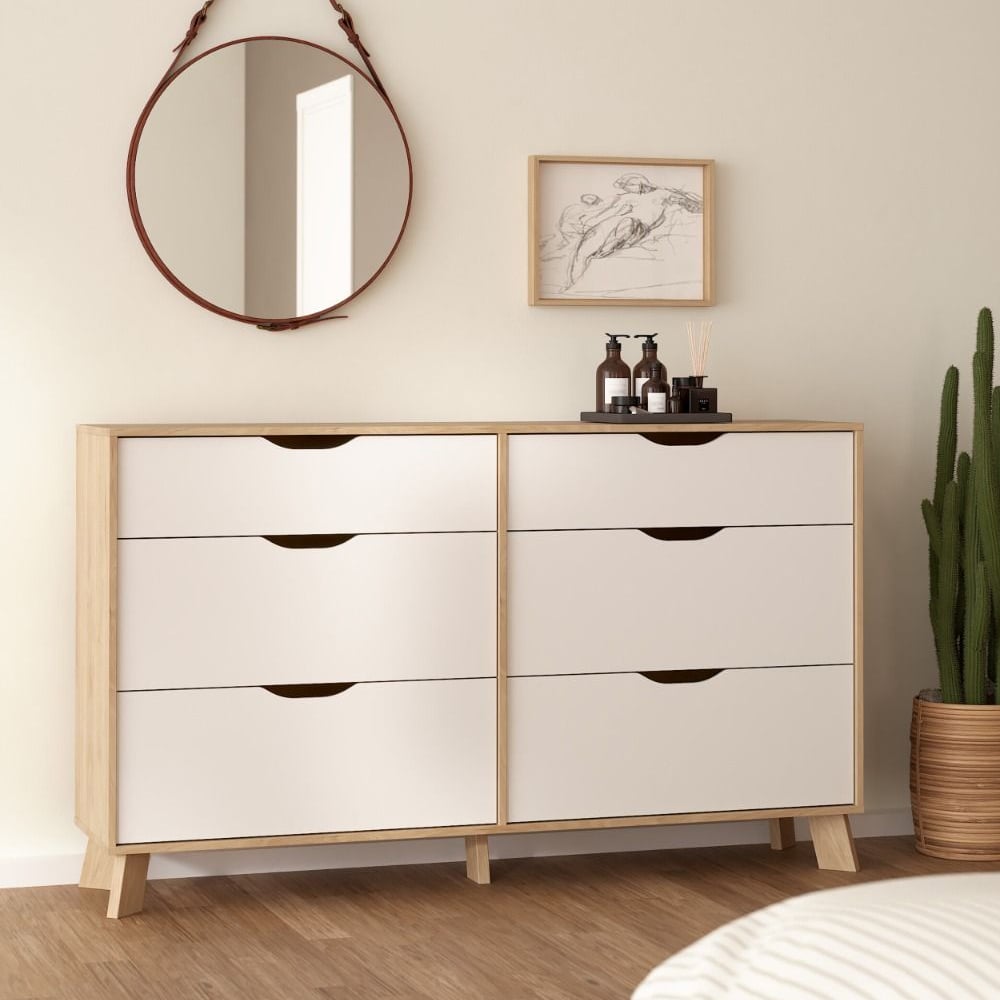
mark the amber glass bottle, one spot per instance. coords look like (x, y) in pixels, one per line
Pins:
(643, 366)
(614, 377)
(655, 392)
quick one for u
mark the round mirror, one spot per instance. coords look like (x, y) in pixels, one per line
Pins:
(269, 180)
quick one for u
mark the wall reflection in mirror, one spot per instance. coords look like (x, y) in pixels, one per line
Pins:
(272, 179)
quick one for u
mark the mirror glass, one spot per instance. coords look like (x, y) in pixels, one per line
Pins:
(271, 178)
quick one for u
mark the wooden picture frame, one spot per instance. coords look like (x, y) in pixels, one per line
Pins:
(621, 231)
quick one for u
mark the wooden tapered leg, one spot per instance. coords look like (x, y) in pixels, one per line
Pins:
(477, 859)
(834, 843)
(97, 865)
(782, 833)
(128, 884)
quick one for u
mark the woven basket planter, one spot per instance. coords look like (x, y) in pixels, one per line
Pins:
(955, 780)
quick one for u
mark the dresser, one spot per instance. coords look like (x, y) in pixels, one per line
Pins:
(311, 634)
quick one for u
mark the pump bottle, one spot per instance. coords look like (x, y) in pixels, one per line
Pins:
(614, 377)
(643, 367)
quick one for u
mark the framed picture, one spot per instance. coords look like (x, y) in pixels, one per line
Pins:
(620, 231)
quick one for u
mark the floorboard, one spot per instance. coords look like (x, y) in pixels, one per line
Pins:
(579, 928)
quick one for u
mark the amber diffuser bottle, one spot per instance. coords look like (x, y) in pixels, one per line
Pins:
(614, 377)
(655, 392)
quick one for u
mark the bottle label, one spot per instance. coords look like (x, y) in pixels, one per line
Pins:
(615, 387)
(639, 383)
(656, 402)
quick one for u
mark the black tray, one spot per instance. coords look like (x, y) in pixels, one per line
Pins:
(657, 418)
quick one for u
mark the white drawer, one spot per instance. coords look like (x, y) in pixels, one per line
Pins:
(622, 745)
(619, 600)
(177, 487)
(627, 481)
(221, 612)
(202, 765)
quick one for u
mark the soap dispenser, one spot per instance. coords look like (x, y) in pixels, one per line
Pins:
(614, 377)
(644, 367)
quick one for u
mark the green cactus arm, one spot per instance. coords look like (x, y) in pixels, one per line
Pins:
(995, 415)
(963, 476)
(933, 525)
(969, 551)
(984, 465)
(947, 436)
(945, 617)
(984, 335)
(975, 645)
(995, 429)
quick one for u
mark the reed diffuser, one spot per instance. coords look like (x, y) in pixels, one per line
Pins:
(693, 397)
(699, 348)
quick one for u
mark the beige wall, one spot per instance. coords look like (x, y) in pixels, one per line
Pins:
(857, 237)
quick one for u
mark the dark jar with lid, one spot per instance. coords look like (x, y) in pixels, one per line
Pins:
(623, 404)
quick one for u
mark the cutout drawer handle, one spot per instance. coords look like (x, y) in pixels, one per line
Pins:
(679, 676)
(682, 438)
(307, 541)
(305, 442)
(307, 690)
(680, 534)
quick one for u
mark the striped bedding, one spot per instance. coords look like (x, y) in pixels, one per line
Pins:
(935, 937)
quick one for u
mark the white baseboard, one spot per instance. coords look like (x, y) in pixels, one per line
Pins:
(64, 869)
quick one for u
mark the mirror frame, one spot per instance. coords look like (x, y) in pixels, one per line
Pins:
(273, 323)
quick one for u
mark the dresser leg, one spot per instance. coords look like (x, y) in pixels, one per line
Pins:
(782, 833)
(477, 859)
(97, 866)
(128, 884)
(834, 843)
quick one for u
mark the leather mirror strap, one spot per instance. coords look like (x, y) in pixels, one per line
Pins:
(200, 17)
(345, 21)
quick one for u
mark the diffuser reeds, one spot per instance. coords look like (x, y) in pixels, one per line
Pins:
(699, 346)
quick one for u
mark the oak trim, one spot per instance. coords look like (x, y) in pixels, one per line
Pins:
(477, 860)
(859, 609)
(503, 725)
(98, 867)
(782, 833)
(532, 255)
(437, 833)
(128, 885)
(833, 842)
(487, 427)
(96, 626)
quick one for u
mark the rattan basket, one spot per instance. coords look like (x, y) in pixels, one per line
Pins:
(955, 780)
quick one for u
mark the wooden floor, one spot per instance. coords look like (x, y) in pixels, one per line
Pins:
(546, 929)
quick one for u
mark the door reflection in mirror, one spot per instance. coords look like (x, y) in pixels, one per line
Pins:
(325, 210)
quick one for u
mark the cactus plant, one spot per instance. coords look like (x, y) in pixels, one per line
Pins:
(963, 528)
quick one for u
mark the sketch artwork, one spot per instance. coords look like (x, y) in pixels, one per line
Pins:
(614, 231)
